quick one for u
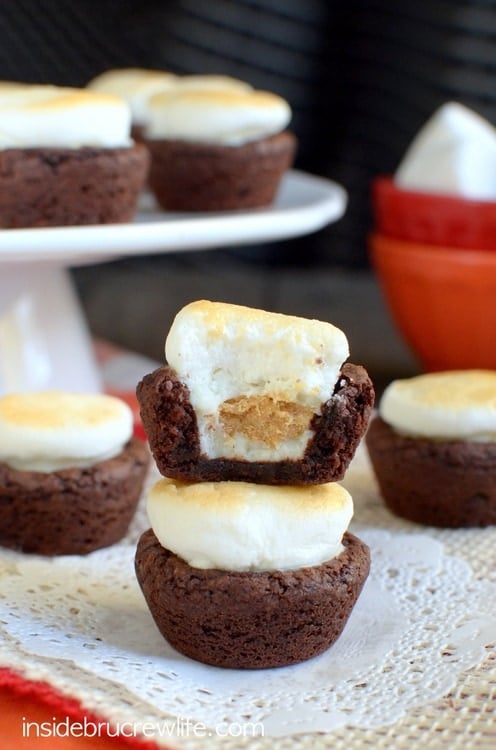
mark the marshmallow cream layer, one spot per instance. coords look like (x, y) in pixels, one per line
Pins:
(453, 405)
(255, 378)
(228, 117)
(453, 153)
(51, 430)
(239, 526)
(41, 116)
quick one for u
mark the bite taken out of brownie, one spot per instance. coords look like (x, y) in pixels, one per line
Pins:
(171, 426)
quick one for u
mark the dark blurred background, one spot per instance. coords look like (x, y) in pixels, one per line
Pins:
(361, 76)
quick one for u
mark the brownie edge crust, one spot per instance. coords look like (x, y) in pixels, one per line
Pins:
(187, 176)
(449, 484)
(72, 511)
(244, 620)
(170, 424)
(45, 187)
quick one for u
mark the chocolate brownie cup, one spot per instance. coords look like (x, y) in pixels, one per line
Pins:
(66, 158)
(71, 474)
(218, 150)
(72, 511)
(255, 396)
(249, 576)
(249, 620)
(206, 177)
(433, 448)
(171, 426)
(65, 187)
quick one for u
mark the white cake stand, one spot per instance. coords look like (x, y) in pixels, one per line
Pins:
(44, 338)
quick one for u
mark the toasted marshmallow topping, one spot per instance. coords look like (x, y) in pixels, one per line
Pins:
(241, 526)
(52, 430)
(135, 86)
(57, 117)
(226, 117)
(454, 405)
(454, 153)
(255, 378)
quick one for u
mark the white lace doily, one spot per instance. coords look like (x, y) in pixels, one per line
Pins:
(82, 624)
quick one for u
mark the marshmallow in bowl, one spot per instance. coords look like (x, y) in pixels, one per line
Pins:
(40, 116)
(239, 526)
(451, 405)
(227, 117)
(453, 153)
(52, 430)
(255, 378)
(135, 86)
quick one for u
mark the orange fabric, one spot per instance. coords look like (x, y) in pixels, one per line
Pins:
(25, 706)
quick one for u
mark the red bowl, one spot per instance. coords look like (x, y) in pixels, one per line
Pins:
(442, 299)
(431, 218)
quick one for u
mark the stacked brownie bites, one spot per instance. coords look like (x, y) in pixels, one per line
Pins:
(252, 423)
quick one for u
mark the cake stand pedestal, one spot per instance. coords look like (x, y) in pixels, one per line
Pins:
(44, 338)
(44, 341)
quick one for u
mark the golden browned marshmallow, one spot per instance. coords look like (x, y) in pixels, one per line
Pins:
(459, 404)
(222, 116)
(50, 430)
(244, 526)
(61, 117)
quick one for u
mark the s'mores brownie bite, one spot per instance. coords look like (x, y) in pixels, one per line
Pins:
(71, 473)
(67, 158)
(254, 396)
(217, 147)
(249, 576)
(433, 448)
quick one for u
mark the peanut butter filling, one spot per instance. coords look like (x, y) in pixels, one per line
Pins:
(264, 418)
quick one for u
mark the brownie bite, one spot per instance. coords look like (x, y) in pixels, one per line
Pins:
(218, 149)
(334, 434)
(70, 187)
(433, 448)
(67, 158)
(248, 620)
(207, 177)
(254, 396)
(260, 577)
(71, 474)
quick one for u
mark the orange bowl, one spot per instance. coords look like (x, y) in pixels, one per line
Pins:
(442, 299)
(433, 218)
